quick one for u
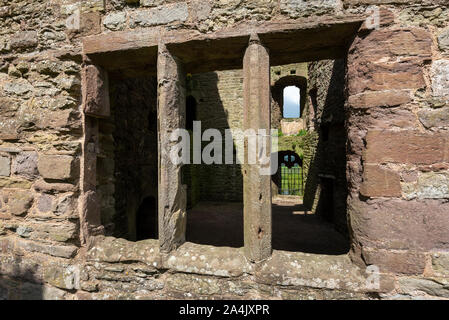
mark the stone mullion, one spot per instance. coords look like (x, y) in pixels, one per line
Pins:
(171, 116)
(257, 187)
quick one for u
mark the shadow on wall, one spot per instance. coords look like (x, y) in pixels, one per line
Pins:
(326, 185)
(128, 173)
(216, 108)
(213, 182)
(19, 281)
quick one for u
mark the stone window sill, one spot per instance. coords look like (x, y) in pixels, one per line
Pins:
(286, 269)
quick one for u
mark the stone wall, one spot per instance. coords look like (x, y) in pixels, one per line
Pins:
(397, 162)
(326, 187)
(219, 97)
(219, 105)
(127, 165)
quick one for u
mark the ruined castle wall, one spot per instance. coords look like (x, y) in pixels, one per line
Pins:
(397, 105)
(326, 188)
(127, 169)
(219, 98)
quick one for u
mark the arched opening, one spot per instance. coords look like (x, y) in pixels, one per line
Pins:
(288, 98)
(292, 100)
(146, 220)
(291, 178)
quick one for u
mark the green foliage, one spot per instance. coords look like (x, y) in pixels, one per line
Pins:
(279, 133)
(302, 133)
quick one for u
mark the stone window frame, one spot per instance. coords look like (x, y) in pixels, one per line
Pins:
(278, 88)
(155, 52)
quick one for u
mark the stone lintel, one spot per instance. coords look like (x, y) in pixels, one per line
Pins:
(222, 50)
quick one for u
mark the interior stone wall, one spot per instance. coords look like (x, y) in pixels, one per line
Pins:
(127, 165)
(219, 98)
(396, 96)
(326, 187)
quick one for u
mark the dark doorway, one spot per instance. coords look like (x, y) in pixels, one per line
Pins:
(290, 178)
(146, 221)
(327, 198)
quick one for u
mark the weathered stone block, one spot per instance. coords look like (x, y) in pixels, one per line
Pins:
(62, 276)
(108, 249)
(18, 87)
(5, 166)
(195, 284)
(437, 287)
(65, 205)
(25, 164)
(300, 8)
(42, 186)
(443, 39)
(18, 201)
(51, 249)
(96, 91)
(388, 59)
(289, 127)
(433, 185)
(24, 231)
(406, 262)
(115, 21)
(31, 291)
(56, 167)
(388, 98)
(14, 183)
(24, 40)
(406, 147)
(419, 225)
(302, 269)
(45, 203)
(176, 12)
(434, 118)
(200, 10)
(379, 182)
(48, 67)
(90, 23)
(210, 260)
(92, 5)
(440, 263)
(440, 77)
(148, 3)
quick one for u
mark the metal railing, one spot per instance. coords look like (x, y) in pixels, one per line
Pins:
(292, 181)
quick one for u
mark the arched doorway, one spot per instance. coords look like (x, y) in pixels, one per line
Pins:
(290, 178)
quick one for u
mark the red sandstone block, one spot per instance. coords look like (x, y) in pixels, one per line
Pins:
(406, 147)
(388, 59)
(404, 262)
(405, 42)
(57, 167)
(398, 224)
(378, 182)
(365, 76)
(96, 92)
(388, 98)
